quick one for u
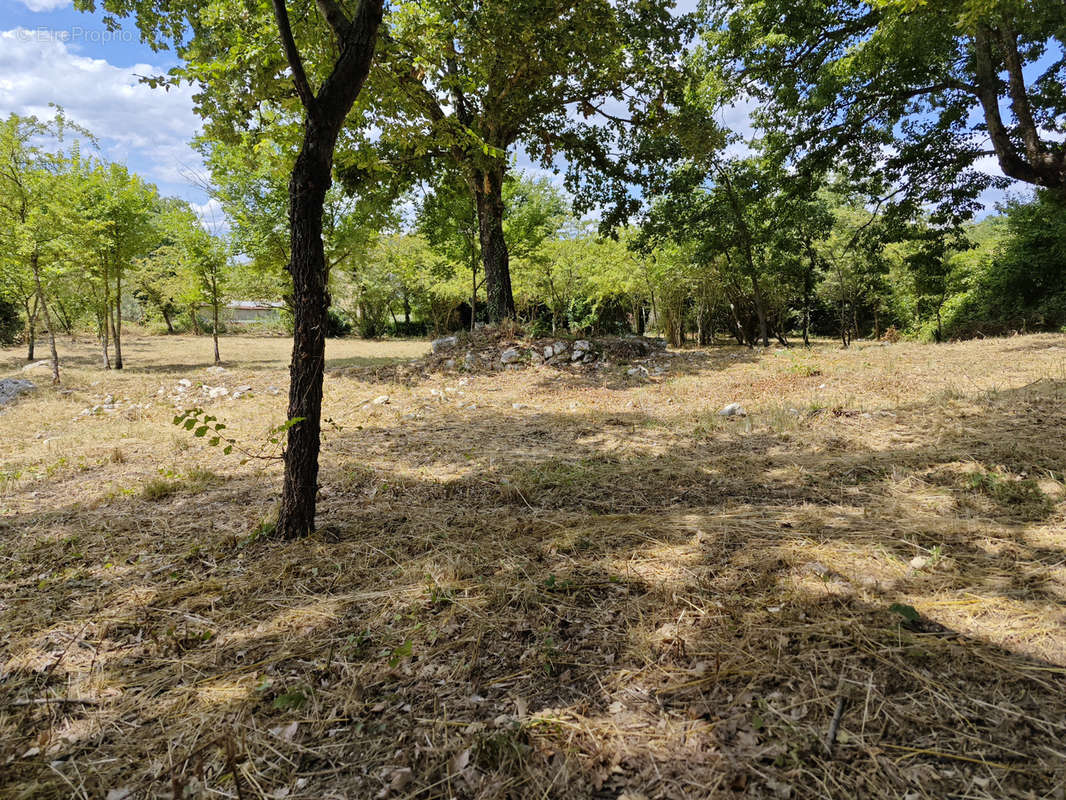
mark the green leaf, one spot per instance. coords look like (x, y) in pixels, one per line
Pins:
(213, 441)
(200, 432)
(227, 449)
(290, 700)
(190, 423)
(400, 653)
(909, 613)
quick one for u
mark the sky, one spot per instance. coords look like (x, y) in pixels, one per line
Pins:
(50, 53)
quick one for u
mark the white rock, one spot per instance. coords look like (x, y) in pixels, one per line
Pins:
(561, 347)
(216, 370)
(444, 342)
(214, 392)
(733, 410)
(511, 355)
(12, 388)
(583, 345)
(37, 365)
(184, 383)
(633, 371)
(382, 400)
(919, 562)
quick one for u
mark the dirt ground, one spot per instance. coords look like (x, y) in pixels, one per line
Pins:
(543, 582)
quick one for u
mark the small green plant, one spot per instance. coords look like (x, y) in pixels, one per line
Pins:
(159, 489)
(207, 426)
(401, 653)
(290, 700)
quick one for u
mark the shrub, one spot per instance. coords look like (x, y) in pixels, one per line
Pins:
(337, 326)
(10, 323)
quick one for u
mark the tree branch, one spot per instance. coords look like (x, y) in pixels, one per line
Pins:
(1023, 112)
(292, 55)
(335, 17)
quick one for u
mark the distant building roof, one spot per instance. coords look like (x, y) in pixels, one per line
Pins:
(253, 305)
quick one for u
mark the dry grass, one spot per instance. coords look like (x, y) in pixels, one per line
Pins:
(545, 583)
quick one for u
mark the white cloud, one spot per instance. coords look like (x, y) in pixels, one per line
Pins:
(147, 129)
(45, 5)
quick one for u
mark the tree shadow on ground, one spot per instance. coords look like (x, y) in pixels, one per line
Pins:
(563, 605)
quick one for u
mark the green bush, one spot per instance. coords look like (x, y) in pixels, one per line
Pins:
(337, 326)
(10, 323)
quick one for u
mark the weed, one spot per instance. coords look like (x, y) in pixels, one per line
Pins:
(159, 489)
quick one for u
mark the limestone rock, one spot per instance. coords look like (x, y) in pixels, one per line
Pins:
(733, 410)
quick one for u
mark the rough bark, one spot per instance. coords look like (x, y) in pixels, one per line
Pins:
(310, 179)
(488, 197)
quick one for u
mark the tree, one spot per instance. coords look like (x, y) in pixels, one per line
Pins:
(193, 263)
(908, 94)
(231, 50)
(468, 81)
(32, 207)
(123, 207)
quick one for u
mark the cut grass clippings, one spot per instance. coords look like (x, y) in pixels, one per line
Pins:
(544, 583)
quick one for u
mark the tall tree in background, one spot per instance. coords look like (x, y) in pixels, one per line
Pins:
(470, 80)
(31, 214)
(907, 93)
(246, 63)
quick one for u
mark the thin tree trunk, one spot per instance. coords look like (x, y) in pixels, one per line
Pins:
(31, 327)
(167, 320)
(808, 289)
(214, 330)
(488, 196)
(105, 339)
(35, 265)
(760, 309)
(117, 320)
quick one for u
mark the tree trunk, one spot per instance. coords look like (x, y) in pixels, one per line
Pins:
(473, 286)
(31, 327)
(105, 340)
(117, 321)
(308, 184)
(808, 289)
(488, 196)
(42, 301)
(760, 310)
(167, 320)
(214, 330)
(307, 192)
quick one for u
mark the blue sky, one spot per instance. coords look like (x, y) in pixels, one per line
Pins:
(50, 53)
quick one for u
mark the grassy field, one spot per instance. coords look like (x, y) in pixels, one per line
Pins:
(542, 583)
